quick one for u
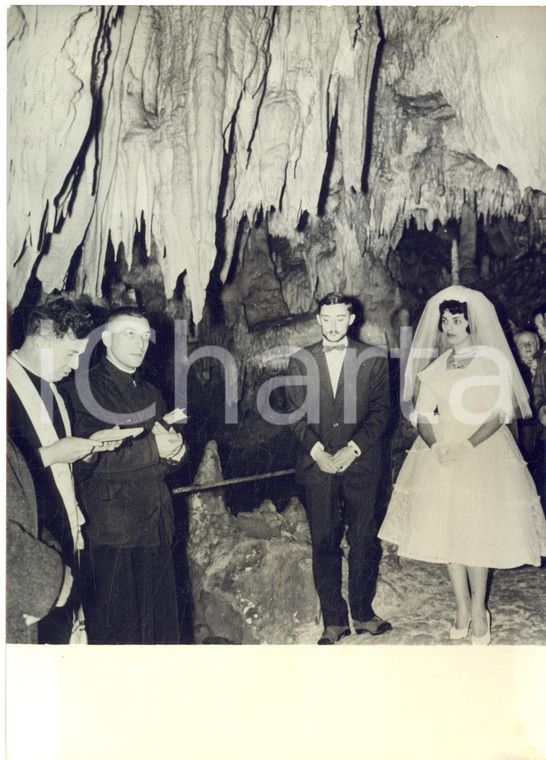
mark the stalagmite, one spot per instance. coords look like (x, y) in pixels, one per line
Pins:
(454, 263)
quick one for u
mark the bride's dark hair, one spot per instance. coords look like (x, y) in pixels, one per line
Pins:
(454, 307)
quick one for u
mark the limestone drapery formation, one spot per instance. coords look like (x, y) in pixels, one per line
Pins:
(188, 123)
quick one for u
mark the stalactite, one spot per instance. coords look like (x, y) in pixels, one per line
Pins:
(48, 113)
(196, 118)
(87, 186)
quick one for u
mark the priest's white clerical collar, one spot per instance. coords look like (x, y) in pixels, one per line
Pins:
(113, 361)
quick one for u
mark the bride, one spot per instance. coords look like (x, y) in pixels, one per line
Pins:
(464, 496)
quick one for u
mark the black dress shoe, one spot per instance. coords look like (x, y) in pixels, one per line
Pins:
(375, 626)
(333, 633)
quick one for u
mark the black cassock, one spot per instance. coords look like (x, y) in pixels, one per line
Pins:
(127, 566)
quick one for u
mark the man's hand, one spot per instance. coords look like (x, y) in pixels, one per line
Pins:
(169, 443)
(177, 456)
(115, 434)
(325, 462)
(343, 458)
(542, 415)
(158, 429)
(66, 587)
(68, 450)
(30, 619)
(104, 443)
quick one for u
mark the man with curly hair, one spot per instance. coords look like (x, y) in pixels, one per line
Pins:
(39, 426)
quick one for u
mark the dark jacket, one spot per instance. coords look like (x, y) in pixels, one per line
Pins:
(359, 411)
(122, 493)
(34, 569)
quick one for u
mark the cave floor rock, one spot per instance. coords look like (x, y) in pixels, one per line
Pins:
(416, 598)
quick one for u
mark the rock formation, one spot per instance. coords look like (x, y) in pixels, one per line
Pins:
(185, 129)
(251, 574)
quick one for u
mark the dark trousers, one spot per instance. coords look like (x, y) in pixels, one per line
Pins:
(130, 595)
(331, 504)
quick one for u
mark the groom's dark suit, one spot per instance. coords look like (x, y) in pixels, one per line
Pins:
(348, 498)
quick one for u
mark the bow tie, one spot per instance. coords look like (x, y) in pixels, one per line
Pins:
(337, 347)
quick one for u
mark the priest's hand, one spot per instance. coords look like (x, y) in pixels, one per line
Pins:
(169, 443)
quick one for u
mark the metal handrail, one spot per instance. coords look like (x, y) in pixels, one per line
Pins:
(231, 481)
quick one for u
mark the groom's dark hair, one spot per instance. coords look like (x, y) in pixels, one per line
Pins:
(334, 298)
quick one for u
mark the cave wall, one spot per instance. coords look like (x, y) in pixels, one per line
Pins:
(285, 147)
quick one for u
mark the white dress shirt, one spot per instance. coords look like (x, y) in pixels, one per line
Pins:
(334, 362)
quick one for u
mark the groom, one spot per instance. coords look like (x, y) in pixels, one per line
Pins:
(339, 463)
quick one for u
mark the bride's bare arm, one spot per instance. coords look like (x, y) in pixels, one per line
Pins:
(426, 431)
(486, 430)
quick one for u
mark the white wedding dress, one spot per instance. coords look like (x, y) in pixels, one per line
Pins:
(482, 511)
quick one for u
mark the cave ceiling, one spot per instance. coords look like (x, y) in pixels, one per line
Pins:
(333, 126)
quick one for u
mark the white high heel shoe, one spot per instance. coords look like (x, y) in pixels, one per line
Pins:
(460, 633)
(486, 638)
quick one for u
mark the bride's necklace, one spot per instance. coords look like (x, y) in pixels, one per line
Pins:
(460, 359)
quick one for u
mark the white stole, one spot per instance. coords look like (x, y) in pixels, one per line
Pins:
(45, 430)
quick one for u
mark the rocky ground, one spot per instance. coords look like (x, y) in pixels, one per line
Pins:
(416, 598)
(252, 582)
